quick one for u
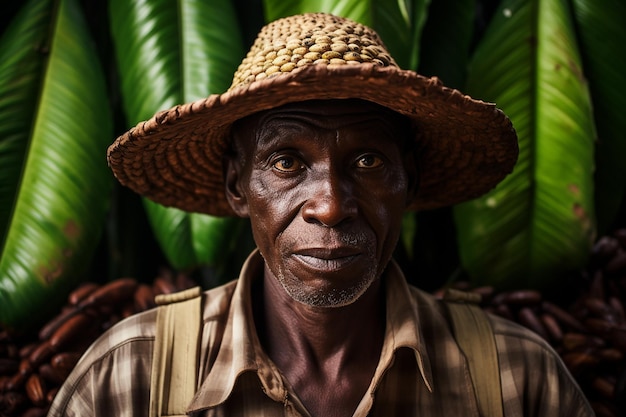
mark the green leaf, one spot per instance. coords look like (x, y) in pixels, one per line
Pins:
(539, 222)
(170, 53)
(602, 35)
(446, 40)
(400, 23)
(357, 10)
(63, 182)
(21, 71)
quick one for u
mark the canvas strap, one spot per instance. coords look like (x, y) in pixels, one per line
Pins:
(475, 337)
(175, 354)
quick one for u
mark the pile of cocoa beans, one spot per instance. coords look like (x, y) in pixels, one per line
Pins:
(588, 331)
(32, 368)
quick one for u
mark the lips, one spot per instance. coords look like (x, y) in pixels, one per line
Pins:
(327, 259)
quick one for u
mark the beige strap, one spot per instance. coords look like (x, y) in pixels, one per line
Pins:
(475, 337)
(175, 357)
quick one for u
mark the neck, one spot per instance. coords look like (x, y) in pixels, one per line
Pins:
(328, 354)
(335, 337)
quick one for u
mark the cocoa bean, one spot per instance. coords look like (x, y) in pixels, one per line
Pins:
(617, 337)
(68, 331)
(11, 402)
(113, 319)
(27, 349)
(596, 287)
(486, 293)
(40, 354)
(47, 330)
(11, 351)
(80, 293)
(5, 336)
(8, 366)
(618, 308)
(610, 355)
(603, 410)
(577, 362)
(577, 341)
(519, 297)
(605, 248)
(617, 264)
(562, 316)
(620, 392)
(26, 367)
(36, 390)
(65, 362)
(162, 285)
(144, 297)
(503, 310)
(598, 307)
(128, 310)
(184, 281)
(16, 382)
(36, 412)
(604, 387)
(51, 374)
(620, 235)
(4, 381)
(552, 327)
(599, 326)
(51, 394)
(529, 319)
(113, 293)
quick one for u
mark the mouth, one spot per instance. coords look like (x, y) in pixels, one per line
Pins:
(327, 259)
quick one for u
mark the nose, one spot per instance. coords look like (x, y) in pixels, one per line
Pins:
(330, 201)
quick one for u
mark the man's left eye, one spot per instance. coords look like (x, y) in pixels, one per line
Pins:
(369, 161)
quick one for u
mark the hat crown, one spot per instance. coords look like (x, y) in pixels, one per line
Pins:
(294, 42)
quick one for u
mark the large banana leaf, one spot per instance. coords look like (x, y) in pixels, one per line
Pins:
(170, 53)
(54, 128)
(602, 35)
(446, 39)
(398, 22)
(539, 222)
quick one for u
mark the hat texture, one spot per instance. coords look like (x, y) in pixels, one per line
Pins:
(466, 146)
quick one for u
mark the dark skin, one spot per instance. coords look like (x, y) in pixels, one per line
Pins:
(325, 185)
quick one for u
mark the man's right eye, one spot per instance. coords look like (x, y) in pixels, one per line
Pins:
(287, 164)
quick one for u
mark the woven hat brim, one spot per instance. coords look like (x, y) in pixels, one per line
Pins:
(466, 146)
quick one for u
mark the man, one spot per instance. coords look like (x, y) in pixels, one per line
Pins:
(323, 143)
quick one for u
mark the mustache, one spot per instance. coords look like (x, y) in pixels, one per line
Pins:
(335, 238)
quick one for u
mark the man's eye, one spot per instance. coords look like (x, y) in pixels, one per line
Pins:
(287, 164)
(369, 161)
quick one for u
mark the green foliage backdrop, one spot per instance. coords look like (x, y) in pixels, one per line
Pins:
(74, 74)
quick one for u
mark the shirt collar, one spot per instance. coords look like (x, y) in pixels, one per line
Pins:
(241, 349)
(402, 325)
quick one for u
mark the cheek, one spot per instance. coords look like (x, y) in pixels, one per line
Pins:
(271, 208)
(387, 208)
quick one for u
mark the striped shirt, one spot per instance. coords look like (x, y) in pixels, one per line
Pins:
(421, 371)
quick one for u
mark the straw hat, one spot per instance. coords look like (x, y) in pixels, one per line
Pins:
(466, 146)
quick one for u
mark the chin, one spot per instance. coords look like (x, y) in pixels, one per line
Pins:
(325, 297)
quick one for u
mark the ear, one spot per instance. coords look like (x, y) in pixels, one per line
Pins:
(234, 192)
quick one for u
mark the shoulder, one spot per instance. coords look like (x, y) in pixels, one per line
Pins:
(118, 364)
(139, 329)
(105, 368)
(533, 375)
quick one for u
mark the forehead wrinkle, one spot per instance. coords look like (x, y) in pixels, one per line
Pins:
(273, 124)
(277, 126)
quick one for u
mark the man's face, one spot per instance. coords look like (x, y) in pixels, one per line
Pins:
(325, 185)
